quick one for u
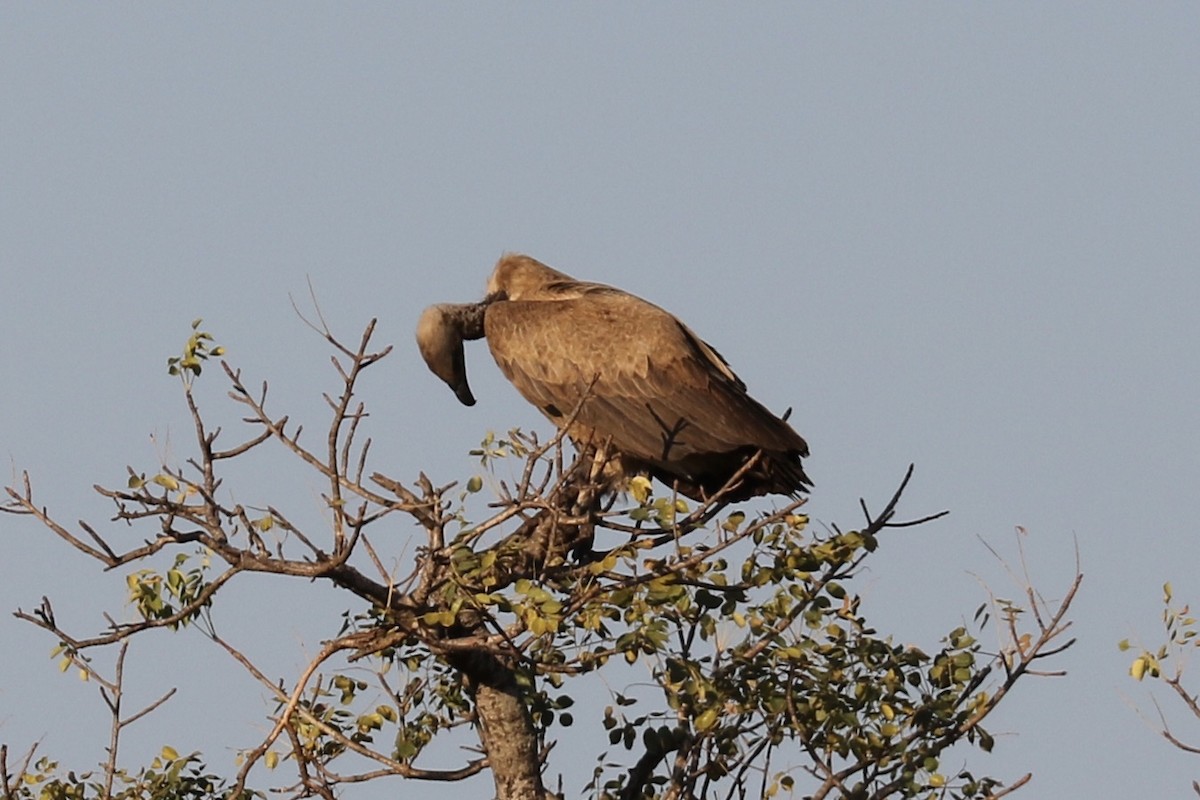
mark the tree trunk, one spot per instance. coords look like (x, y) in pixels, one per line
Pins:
(505, 729)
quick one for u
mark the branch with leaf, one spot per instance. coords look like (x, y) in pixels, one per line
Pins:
(1182, 637)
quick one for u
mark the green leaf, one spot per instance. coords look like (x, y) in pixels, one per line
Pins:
(641, 488)
(707, 720)
(166, 481)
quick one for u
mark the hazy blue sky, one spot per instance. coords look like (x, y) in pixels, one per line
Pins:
(960, 235)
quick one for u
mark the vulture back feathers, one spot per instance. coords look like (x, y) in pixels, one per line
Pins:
(637, 379)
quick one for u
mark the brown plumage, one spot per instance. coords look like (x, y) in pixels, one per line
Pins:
(652, 390)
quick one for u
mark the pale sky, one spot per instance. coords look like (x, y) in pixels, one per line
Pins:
(964, 236)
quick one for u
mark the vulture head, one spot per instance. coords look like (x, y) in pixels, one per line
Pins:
(440, 334)
(617, 371)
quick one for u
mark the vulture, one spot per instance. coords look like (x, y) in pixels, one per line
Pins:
(620, 372)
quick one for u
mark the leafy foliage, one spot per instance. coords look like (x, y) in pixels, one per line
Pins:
(196, 350)
(170, 776)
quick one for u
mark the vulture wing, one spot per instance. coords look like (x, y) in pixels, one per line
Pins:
(660, 395)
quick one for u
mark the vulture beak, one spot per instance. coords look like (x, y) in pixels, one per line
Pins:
(440, 334)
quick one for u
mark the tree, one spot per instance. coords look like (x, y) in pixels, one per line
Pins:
(1182, 635)
(766, 675)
